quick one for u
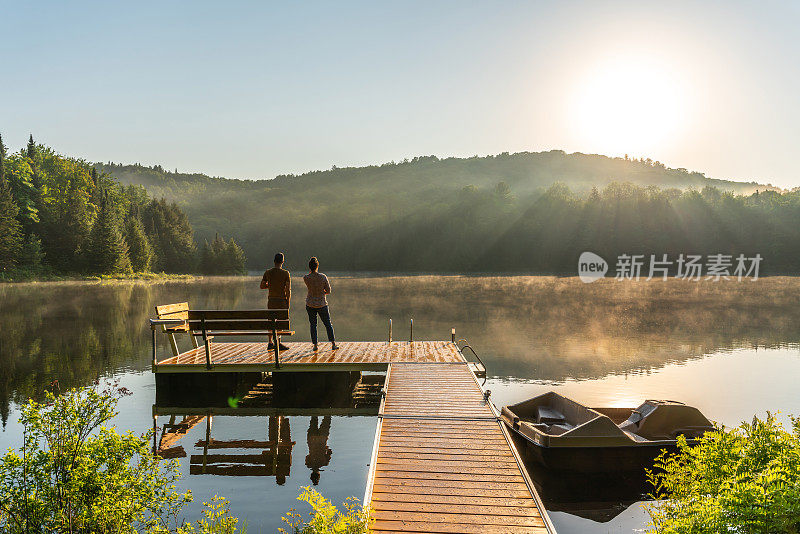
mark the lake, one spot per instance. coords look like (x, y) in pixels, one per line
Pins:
(729, 348)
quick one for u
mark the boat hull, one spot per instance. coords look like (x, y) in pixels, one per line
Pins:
(618, 459)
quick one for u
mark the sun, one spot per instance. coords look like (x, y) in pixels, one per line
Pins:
(628, 106)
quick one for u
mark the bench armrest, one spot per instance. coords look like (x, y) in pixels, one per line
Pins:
(166, 322)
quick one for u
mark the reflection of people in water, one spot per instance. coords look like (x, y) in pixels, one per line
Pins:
(280, 434)
(319, 454)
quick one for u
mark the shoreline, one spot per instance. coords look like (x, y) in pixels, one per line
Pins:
(61, 278)
(174, 277)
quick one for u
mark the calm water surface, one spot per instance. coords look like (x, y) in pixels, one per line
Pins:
(729, 348)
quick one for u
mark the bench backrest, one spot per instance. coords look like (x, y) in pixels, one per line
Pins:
(179, 310)
(238, 320)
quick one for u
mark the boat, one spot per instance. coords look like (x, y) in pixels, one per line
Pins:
(559, 434)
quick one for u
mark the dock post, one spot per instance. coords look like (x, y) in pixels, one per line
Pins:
(390, 330)
(205, 341)
(155, 356)
(411, 332)
(453, 334)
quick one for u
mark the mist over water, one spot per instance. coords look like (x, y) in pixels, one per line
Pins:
(729, 348)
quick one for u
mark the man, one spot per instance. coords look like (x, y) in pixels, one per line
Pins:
(279, 283)
(316, 303)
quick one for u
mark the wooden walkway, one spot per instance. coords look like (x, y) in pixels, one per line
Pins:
(357, 355)
(443, 462)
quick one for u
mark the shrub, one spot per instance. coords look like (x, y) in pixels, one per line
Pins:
(216, 520)
(326, 518)
(744, 480)
(73, 474)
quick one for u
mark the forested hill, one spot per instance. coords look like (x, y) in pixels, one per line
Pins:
(531, 212)
(524, 172)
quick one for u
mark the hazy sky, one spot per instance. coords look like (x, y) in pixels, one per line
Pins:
(255, 89)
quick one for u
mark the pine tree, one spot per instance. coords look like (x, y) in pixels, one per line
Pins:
(10, 228)
(2, 159)
(206, 258)
(31, 153)
(218, 254)
(171, 236)
(139, 250)
(235, 258)
(108, 252)
(18, 176)
(31, 254)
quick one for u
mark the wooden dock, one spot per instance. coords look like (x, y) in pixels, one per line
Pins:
(442, 461)
(231, 357)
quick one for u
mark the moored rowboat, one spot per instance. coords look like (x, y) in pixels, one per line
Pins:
(561, 434)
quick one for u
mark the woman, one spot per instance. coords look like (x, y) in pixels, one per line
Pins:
(316, 302)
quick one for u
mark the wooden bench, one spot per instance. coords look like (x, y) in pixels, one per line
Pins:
(207, 324)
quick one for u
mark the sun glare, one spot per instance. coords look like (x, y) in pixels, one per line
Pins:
(628, 106)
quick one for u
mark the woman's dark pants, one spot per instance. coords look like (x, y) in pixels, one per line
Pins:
(325, 315)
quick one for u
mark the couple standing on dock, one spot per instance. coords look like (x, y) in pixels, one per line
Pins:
(279, 283)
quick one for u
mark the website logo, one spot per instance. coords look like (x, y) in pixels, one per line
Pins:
(591, 267)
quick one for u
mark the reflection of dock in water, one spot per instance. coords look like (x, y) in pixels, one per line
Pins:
(348, 394)
(274, 458)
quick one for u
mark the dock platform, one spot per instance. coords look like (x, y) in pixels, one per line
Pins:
(229, 357)
(442, 460)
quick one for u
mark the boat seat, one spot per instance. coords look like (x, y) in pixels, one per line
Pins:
(548, 415)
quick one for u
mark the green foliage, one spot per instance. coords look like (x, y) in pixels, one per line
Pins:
(216, 520)
(76, 474)
(171, 236)
(221, 257)
(30, 151)
(31, 255)
(326, 518)
(10, 228)
(139, 249)
(69, 206)
(3, 155)
(58, 202)
(109, 252)
(19, 174)
(743, 480)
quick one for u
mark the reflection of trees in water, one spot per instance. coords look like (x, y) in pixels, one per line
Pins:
(530, 327)
(78, 332)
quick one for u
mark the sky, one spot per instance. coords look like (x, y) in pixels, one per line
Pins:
(258, 89)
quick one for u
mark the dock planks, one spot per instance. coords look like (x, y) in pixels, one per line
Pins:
(245, 356)
(443, 463)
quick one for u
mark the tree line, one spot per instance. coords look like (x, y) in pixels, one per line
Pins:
(526, 212)
(60, 215)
